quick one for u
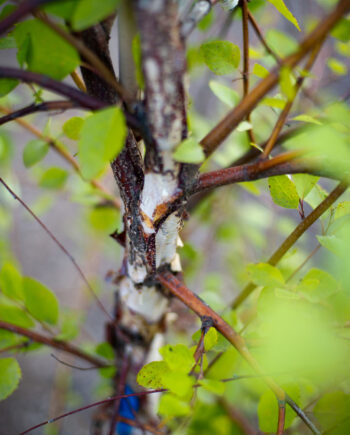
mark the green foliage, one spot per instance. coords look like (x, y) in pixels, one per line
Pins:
(35, 42)
(53, 178)
(72, 127)
(264, 274)
(10, 375)
(221, 57)
(189, 151)
(282, 8)
(333, 412)
(11, 282)
(16, 316)
(283, 191)
(106, 128)
(7, 85)
(151, 375)
(40, 301)
(172, 406)
(34, 151)
(89, 12)
(225, 94)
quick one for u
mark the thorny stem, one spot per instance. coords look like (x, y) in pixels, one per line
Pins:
(294, 237)
(222, 130)
(65, 154)
(179, 290)
(52, 342)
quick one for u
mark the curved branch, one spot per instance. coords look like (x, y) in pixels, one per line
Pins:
(60, 88)
(42, 107)
(52, 342)
(179, 290)
(222, 130)
(293, 237)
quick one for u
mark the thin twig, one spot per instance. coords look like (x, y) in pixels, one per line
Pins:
(294, 237)
(281, 417)
(34, 108)
(314, 251)
(52, 342)
(78, 81)
(225, 127)
(245, 29)
(72, 366)
(101, 402)
(59, 244)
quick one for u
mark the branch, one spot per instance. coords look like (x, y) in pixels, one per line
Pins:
(294, 237)
(59, 244)
(281, 417)
(179, 290)
(34, 108)
(23, 9)
(52, 342)
(219, 133)
(286, 163)
(101, 402)
(82, 99)
(198, 11)
(66, 156)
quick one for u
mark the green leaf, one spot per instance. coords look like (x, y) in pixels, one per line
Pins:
(53, 178)
(105, 350)
(105, 219)
(307, 118)
(282, 9)
(69, 329)
(304, 183)
(210, 338)
(318, 285)
(213, 386)
(172, 406)
(7, 85)
(16, 316)
(72, 127)
(260, 71)
(178, 357)
(7, 42)
(287, 83)
(44, 50)
(268, 412)
(343, 209)
(342, 30)
(89, 12)
(275, 102)
(283, 191)
(224, 93)
(101, 140)
(244, 126)
(333, 244)
(221, 57)
(178, 383)
(11, 282)
(34, 151)
(265, 275)
(281, 42)
(189, 151)
(339, 68)
(10, 375)
(63, 9)
(136, 53)
(40, 301)
(333, 411)
(150, 376)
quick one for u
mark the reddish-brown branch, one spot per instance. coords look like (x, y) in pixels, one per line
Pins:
(59, 244)
(101, 402)
(281, 417)
(285, 112)
(34, 108)
(219, 133)
(60, 88)
(52, 342)
(238, 418)
(294, 237)
(179, 290)
(286, 163)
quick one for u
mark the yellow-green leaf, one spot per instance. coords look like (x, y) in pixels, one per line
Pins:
(283, 191)
(151, 375)
(282, 9)
(189, 151)
(221, 57)
(10, 375)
